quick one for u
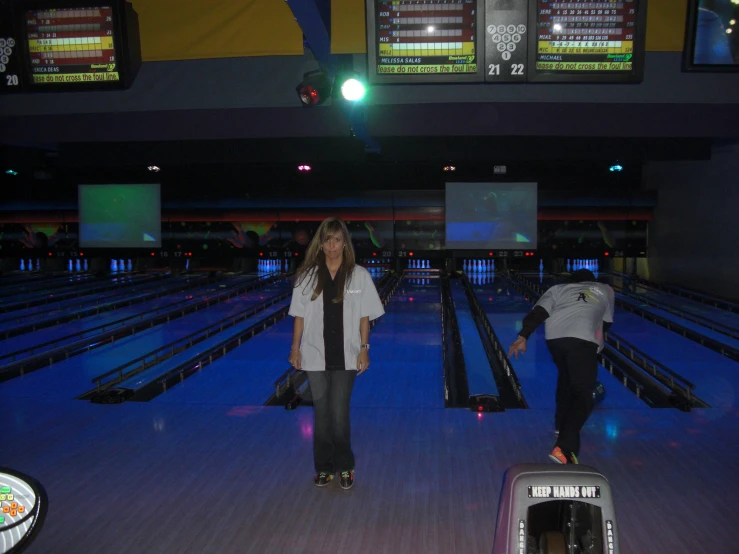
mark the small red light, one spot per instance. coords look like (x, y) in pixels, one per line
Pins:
(309, 95)
(261, 253)
(490, 253)
(410, 253)
(296, 254)
(606, 254)
(50, 254)
(82, 253)
(480, 408)
(152, 254)
(410, 299)
(374, 253)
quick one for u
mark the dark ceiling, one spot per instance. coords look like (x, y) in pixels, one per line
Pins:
(263, 167)
(477, 150)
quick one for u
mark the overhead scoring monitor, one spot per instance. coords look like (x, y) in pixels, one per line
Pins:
(71, 45)
(498, 41)
(67, 45)
(424, 41)
(712, 36)
(587, 41)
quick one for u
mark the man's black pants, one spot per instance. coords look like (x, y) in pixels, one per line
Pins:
(332, 445)
(577, 363)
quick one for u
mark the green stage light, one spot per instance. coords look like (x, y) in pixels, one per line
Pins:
(353, 90)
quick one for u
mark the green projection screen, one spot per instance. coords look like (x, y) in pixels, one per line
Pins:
(120, 216)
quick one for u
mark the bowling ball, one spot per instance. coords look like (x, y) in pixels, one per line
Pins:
(599, 392)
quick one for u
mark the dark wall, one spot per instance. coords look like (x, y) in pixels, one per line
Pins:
(694, 237)
(255, 97)
(269, 82)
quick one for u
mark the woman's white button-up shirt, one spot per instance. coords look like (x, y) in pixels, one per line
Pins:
(360, 300)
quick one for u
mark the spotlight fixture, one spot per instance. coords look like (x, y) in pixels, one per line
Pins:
(11, 172)
(304, 167)
(352, 90)
(315, 88)
(352, 87)
(616, 167)
(450, 168)
(153, 168)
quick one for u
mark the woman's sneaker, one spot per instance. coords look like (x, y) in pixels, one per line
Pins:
(323, 479)
(346, 479)
(560, 457)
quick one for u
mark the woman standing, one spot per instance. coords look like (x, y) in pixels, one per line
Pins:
(333, 302)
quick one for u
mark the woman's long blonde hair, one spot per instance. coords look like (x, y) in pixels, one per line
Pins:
(315, 258)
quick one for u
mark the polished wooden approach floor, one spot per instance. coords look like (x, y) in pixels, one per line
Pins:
(199, 477)
(206, 468)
